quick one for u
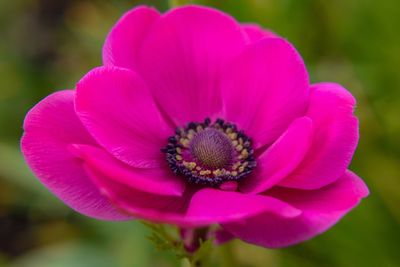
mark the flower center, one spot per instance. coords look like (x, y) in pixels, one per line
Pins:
(210, 153)
(211, 148)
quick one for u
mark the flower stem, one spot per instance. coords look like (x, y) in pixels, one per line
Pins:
(175, 3)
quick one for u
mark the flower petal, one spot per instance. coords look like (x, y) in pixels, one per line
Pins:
(124, 41)
(157, 181)
(281, 158)
(183, 57)
(215, 206)
(321, 209)
(49, 127)
(222, 236)
(256, 33)
(335, 138)
(193, 208)
(266, 89)
(115, 106)
(152, 207)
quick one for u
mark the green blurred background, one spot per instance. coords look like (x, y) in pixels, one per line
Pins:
(47, 45)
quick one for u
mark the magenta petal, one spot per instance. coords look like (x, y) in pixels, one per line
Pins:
(123, 43)
(222, 236)
(340, 195)
(215, 206)
(281, 158)
(115, 106)
(192, 209)
(256, 33)
(335, 138)
(266, 89)
(321, 209)
(183, 57)
(157, 181)
(152, 207)
(49, 127)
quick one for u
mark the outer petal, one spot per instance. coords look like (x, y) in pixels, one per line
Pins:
(193, 208)
(117, 109)
(49, 127)
(183, 57)
(222, 236)
(281, 158)
(256, 33)
(266, 89)
(157, 181)
(321, 209)
(126, 37)
(216, 206)
(335, 138)
(152, 207)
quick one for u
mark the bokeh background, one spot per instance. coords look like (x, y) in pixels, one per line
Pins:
(47, 45)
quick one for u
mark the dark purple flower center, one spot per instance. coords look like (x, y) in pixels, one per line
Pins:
(211, 148)
(210, 153)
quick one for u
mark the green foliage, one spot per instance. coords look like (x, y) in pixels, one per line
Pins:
(164, 240)
(202, 256)
(174, 3)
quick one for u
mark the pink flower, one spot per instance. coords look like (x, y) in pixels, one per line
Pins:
(197, 120)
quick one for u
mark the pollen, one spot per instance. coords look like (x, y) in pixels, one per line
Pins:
(239, 147)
